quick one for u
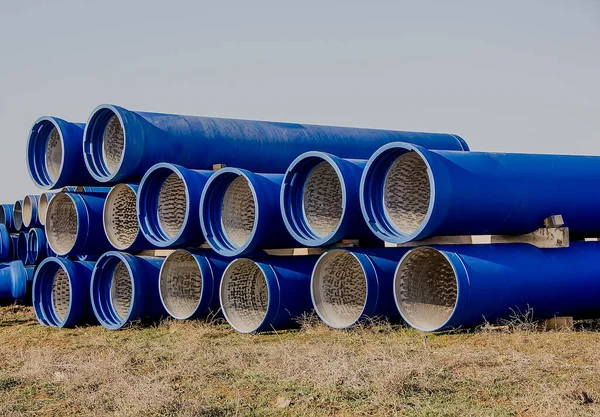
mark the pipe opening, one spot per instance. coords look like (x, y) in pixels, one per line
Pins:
(120, 217)
(18, 215)
(113, 143)
(339, 288)
(426, 288)
(172, 202)
(322, 200)
(23, 248)
(61, 294)
(43, 208)
(61, 224)
(121, 290)
(27, 211)
(406, 192)
(2, 215)
(244, 295)
(238, 212)
(54, 155)
(180, 284)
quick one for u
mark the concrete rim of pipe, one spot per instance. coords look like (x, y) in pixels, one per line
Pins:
(313, 199)
(338, 288)
(53, 276)
(120, 216)
(229, 211)
(45, 152)
(62, 226)
(246, 278)
(397, 192)
(181, 282)
(43, 206)
(426, 288)
(18, 215)
(37, 243)
(29, 209)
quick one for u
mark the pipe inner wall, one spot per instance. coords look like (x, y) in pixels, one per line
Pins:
(61, 224)
(120, 217)
(61, 294)
(121, 290)
(172, 203)
(180, 284)
(238, 212)
(322, 200)
(18, 215)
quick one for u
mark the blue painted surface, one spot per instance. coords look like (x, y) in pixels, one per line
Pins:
(268, 230)
(6, 214)
(199, 142)
(23, 247)
(18, 215)
(5, 244)
(36, 242)
(13, 281)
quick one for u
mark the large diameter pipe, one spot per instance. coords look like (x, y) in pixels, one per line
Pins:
(410, 193)
(267, 293)
(121, 145)
(239, 212)
(74, 224)
(168, 201)
(6, 217)
(54, 154)
(61, 293)
(120, 219)
(14, 278)
(349, 286)
(43, 206)
(189, 283)
(30, 211)
(5, 244)
(319, 200)
(36, 246)
(461, 286)
(18, 215)
(124, 288)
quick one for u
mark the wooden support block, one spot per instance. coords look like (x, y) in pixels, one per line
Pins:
(554, 221)
(156, 252)
(217, 167)
(295, 251)
(347, 243)
(591, 239)
(205, 246)
(558, 323)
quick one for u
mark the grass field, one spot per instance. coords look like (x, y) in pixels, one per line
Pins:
(200, 369)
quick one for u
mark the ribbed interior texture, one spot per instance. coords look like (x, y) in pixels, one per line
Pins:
(237, 212)
(406, 192)
(113, 142)
(426, 289)
(172, 205)
(339, 288)
(121, 292)
(43, 208)
(61, 224)
(61, 294)
(322, 200)
(180, 284)
(120, 218)
(244, 295)
(54, 154)
(27, 211)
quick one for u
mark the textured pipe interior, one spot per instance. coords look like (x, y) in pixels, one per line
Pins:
(61, 294)
(120, 218)
(406, 192)
(121, 292)
(237, 211)
(17, 215)
(244, 295)
(426, 289)
(339, 288)
(43, 208)
(27, 211)
(61, 224)
(54, 154)
(322, 200)
(172, 203)
(113, 142)
(180, 284)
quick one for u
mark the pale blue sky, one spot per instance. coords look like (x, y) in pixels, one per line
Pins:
(518, 76)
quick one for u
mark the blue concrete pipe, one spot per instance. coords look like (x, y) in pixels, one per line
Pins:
(30, 211)
(189, 283)
(37, 244)
(43, 206)
(461, 286)
(18, 215)
(14, 243)
(168, 201)
(409, 193)
(23, 247)
(61, 293)
(54, 154)
(6, 217)
(15, 281)
(349, 286)
(319, 200)
(124, 288)
(120, 144)
(239, 212)
(120, 219)
(266, 293)
(83, 189)
(5, 244)
(74, 224)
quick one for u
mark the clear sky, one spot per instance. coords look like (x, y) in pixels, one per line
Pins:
(517, 76)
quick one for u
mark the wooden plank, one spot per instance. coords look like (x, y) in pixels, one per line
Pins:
(217, 167)
(156, 252)
(295, 251)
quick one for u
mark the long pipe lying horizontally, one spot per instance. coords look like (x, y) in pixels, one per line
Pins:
(267, 293)
(352, 285)
(36, 246)
(61, 293)
(120, 144)
(74, 224)
(124, 288)
(54, 154)
(15, 279)
(319, 200)
(121, 221)
(189, 283)
(6, 217)
(409, 192)
(461, 286)
(168, 200)
(30, 211)
(239, 212)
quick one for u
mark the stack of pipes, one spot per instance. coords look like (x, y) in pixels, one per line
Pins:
(227, 198)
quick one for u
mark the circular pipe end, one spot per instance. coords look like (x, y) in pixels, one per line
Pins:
(62, 224)
(426, 289)
(43, 206)
(181, 284)
(29, 210)
(45, 152)
(120, 217)
(339, 288)
(244, 295)
(53, 293)
(23, 248)
(18, 215)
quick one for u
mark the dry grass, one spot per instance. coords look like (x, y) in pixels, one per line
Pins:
(193, 368)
